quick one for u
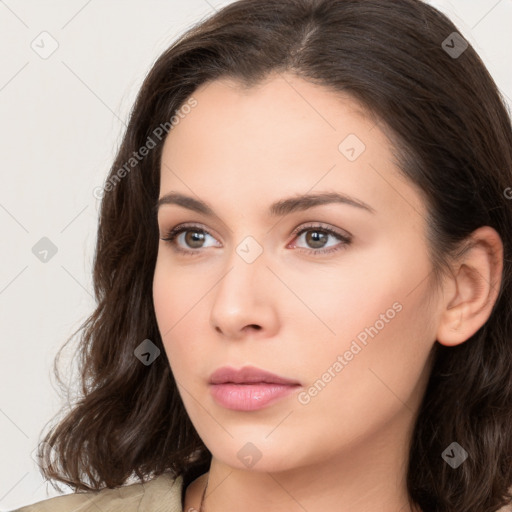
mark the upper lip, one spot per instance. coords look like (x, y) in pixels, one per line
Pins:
(247, 375)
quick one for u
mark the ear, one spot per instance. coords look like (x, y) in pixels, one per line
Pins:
(472, 288)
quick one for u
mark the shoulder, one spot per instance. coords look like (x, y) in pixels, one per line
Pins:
(162, 493)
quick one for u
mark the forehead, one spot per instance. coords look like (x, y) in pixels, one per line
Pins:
(283, 136)
(279, 101)
(280, 109)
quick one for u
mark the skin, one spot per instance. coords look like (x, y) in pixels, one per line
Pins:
(293, 313)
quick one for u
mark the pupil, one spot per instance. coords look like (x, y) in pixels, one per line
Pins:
(314, 238)
(194, 236)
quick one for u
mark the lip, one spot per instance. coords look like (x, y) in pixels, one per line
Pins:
(249, 388)
(247, 375)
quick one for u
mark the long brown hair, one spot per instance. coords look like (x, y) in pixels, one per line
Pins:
(453, 138)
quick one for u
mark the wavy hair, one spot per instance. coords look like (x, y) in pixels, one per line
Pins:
(452, 136)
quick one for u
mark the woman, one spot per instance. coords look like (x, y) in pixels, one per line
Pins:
(303, 273)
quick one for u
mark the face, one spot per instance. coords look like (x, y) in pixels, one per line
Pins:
(334, 296)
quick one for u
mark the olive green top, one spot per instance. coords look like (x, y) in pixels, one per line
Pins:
(161, 494)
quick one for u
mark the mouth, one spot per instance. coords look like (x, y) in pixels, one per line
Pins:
(247, 375)
(249, 397)
(249, 388)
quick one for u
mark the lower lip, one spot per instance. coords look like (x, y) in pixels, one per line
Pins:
(249, 397)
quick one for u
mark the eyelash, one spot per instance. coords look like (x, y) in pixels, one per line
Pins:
(173, 233)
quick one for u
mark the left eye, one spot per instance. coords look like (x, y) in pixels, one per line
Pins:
(318, 236)
(194, 237)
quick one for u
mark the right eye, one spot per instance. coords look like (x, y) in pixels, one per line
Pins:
(183, 236)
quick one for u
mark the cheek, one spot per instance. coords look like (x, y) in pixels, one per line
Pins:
(380, 331)
(170, 299)
(163, 299)
(367, 286)
(175, 293)
(179, 298)
(382, 368)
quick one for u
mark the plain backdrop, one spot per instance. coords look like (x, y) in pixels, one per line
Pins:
(69, 73)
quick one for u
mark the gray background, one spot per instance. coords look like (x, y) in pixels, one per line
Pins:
(62, 117)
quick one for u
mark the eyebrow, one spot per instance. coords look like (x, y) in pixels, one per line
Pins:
(277, 209)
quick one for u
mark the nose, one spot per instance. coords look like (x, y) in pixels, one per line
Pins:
(245, 301)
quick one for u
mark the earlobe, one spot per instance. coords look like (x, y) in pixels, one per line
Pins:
(474, 285)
